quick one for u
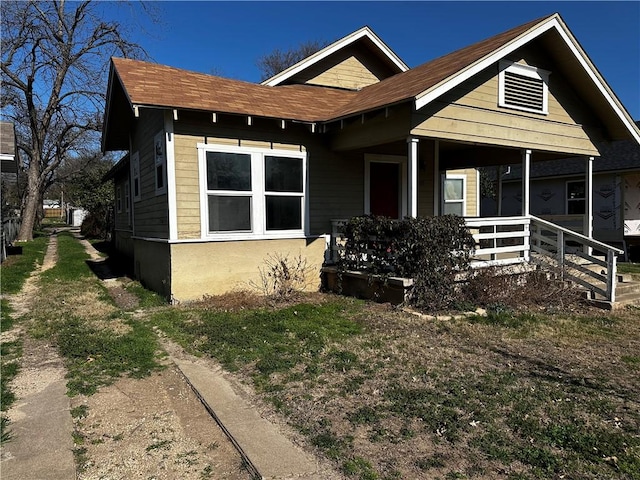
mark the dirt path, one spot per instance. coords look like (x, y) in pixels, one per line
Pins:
(153, 427)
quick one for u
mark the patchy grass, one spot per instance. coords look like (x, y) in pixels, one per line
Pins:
(98, 341)
(386, 395)
(10, 353)
(272, 340)
(17, 268)
(632, 268)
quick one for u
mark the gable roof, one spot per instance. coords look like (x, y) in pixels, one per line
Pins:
(148, 84)
(365, 33)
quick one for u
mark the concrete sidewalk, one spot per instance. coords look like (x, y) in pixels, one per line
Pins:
(268, 453)
(41, 447)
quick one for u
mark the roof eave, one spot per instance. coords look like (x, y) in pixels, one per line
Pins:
(554, 21)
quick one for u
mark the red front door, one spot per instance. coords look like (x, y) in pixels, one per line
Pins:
(384, 192)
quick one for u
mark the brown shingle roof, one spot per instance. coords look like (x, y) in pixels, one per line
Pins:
(157, 85)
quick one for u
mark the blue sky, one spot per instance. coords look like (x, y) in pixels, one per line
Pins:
(227, 38)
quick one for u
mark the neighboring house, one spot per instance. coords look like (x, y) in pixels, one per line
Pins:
(8, 157)
(222, 173)
(558, 194)
(9, 222)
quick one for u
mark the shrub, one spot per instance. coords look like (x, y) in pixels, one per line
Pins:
(282, 278)
(433, 251)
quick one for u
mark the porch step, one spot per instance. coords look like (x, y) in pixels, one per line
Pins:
(627, 293)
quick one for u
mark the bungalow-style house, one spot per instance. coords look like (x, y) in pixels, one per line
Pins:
(222, 173)
(558, 194)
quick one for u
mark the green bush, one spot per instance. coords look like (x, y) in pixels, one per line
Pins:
(431, 250)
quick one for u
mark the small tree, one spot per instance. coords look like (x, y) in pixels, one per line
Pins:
(275, 62)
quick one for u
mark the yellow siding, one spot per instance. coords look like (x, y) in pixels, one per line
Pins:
(213, 268)
(187, 173)
(350, 73)
(470, 113)
(472, 209)
(187, 185)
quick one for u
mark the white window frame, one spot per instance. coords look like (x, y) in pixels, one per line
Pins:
(257, 193)
(370, 158)
(135, 176)
(160, 160)
(463, 200)
(526, 71)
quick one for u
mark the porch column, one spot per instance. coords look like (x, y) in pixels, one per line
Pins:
(412, 183)
(499, 192)
(436, 178)
(588, 202)
(526, 180)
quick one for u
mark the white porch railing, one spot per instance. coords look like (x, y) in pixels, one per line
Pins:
(572, 253)
(499, 240)
(522, 240)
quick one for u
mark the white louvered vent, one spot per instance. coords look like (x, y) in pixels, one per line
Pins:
(525, 92)
(523, 87)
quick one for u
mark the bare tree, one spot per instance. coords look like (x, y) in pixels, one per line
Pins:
(54, 68)
(279, 60)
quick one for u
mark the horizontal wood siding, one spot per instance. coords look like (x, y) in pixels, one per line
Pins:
(122, 218)
(350, 73)
(472, 209)
(335, 186)
(151, 212)
(470, 113)
(187, 185)
(352, 67)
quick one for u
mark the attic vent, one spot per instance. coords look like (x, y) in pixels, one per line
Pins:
(523, 88)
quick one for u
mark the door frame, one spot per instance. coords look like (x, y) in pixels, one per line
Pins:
(370, 158)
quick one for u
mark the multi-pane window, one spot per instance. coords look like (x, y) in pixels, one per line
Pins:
(575, 198)
(229, 192)
(253, 191)
(523, 87)
(283, 185)
(454, 196)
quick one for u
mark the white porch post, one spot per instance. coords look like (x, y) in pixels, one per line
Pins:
(412, 207)
(588, 202)
(526, 180)
(436, 178)
(499, 192)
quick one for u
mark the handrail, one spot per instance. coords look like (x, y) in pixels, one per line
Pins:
(589, 241)
(564, 262)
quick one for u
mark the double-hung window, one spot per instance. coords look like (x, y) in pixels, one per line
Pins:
(252, 192)
(454, 195)
(576, 197)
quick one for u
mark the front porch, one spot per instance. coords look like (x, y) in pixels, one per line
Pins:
(530, 243)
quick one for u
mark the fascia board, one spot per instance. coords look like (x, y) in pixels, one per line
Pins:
(426, 97)
(334, 47)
